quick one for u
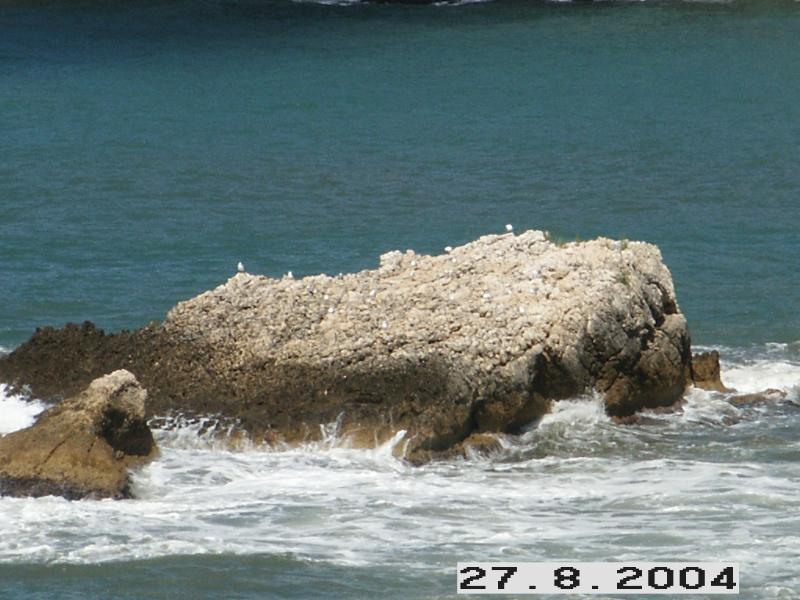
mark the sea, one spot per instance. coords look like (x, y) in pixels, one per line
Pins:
(148, 146)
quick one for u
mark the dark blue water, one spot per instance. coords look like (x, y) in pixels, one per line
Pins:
(147, 147)
(211, 577)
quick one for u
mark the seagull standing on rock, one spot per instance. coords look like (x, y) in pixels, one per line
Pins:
(509, 228)
(240, 267)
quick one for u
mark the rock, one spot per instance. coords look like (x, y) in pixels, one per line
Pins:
(706, 375)
(706, 372)
(477, 340)
(82, 447)
(478, 444)
(647, 416)
(768, 396)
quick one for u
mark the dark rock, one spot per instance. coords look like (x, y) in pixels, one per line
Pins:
(479, 443)
(768, 396)
(706, 372)
(646, 416)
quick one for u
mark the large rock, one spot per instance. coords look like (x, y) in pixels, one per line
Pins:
(83, 447)
(479, 339)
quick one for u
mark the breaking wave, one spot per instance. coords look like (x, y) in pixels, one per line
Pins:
(575, 484)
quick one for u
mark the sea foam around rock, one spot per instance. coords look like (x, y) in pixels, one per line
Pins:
(17, 412)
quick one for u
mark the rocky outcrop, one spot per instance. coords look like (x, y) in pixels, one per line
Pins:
(478, 339)
(706, 372)
(82, 447)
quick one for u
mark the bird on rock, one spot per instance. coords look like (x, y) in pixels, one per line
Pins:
(240, 267)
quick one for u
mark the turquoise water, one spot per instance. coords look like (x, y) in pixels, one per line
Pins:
(147, 147)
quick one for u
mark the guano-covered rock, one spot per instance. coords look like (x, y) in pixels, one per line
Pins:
(476, 340)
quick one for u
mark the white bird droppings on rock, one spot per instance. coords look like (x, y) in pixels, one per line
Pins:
(433, 314)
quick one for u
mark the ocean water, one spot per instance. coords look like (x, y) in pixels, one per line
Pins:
(147, 147)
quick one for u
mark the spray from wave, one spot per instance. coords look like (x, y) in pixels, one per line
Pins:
(17, 412)
(575, 484)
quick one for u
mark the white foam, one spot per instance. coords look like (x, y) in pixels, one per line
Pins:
(758, 375)
(16, 412)
(203, 433)
(773, 365)
(356, 507)
(574, 485)
(580, 413)
(705, 408)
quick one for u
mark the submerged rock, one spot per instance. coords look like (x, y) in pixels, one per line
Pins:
(478, 444)
(479, 339)
(768, 396)
(83, 447)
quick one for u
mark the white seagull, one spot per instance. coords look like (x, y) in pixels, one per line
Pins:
(240, 267)
(509, 228)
